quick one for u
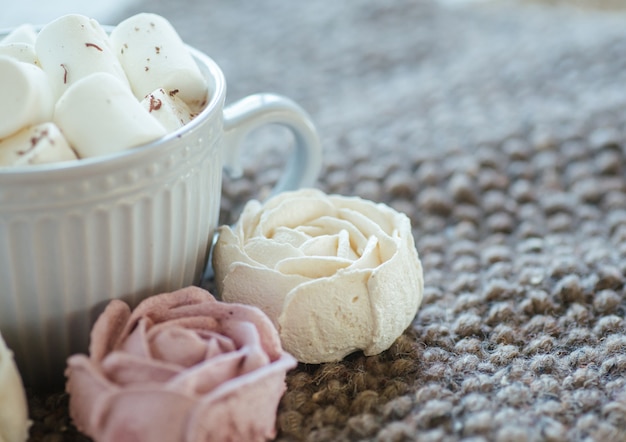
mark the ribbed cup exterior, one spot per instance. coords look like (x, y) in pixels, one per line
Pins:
(75, 236)
(127, 234)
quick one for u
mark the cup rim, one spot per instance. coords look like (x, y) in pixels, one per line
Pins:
(87, 166)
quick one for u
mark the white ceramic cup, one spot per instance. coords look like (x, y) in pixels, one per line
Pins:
(128, 225)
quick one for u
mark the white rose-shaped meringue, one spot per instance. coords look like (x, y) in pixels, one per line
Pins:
(335, 274)
(14, 421)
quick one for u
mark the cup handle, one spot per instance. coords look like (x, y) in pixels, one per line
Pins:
(254, 111)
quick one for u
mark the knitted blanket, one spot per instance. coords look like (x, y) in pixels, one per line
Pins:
(499, 128)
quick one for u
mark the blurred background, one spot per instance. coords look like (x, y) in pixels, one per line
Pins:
(40, 11)
(489, 123)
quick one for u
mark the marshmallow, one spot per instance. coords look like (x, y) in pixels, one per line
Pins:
(99, 115)
(22, 34)
(39, 144)
(20, 51)
(71, 48)
(172, 112)
(154, 56)
(27, 98)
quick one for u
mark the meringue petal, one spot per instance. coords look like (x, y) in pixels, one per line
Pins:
(230, 248)
(136, 342)
(231, 316)
(328, 225)
(328, 318)
(216, 343)
(370, 259)
(305, 195)
(148, 414)
(108, 329)
(238, 410)
(269, 252)
(344, 246)
(164, 308)
(126, 369)
(284, 235)
(178, 345)
(206, 376)
(292, 214)
(396, 289)
(249, 284)
(248, 222)
(325, 245)
(364, 224)
(312, 266)
(380, 214)
(89, 394)
(247, 337)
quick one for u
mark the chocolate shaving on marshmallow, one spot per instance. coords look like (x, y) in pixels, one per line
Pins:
(172, 112)
(39, 144)
(73, 47)
(73, 74)
(99, 115)
(154, 56)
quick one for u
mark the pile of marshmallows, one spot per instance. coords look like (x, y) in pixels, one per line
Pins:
(73, 91)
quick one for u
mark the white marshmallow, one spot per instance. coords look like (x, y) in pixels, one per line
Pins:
(154, 56)
(22, 34)
(39, 144)
(99, 115)
(20, 51)
(27, 98)
(172, 112)
(72, 47)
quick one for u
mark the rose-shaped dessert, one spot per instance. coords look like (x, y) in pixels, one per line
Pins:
(180, 367)
(336, 274)
(14, 421)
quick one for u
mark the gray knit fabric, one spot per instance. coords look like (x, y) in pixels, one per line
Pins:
(499, 129)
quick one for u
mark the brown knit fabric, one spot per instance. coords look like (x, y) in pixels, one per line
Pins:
(500, 130)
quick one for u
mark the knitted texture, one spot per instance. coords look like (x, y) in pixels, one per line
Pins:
(500, 130)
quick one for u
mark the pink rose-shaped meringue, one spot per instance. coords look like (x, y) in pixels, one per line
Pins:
(181, 367)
